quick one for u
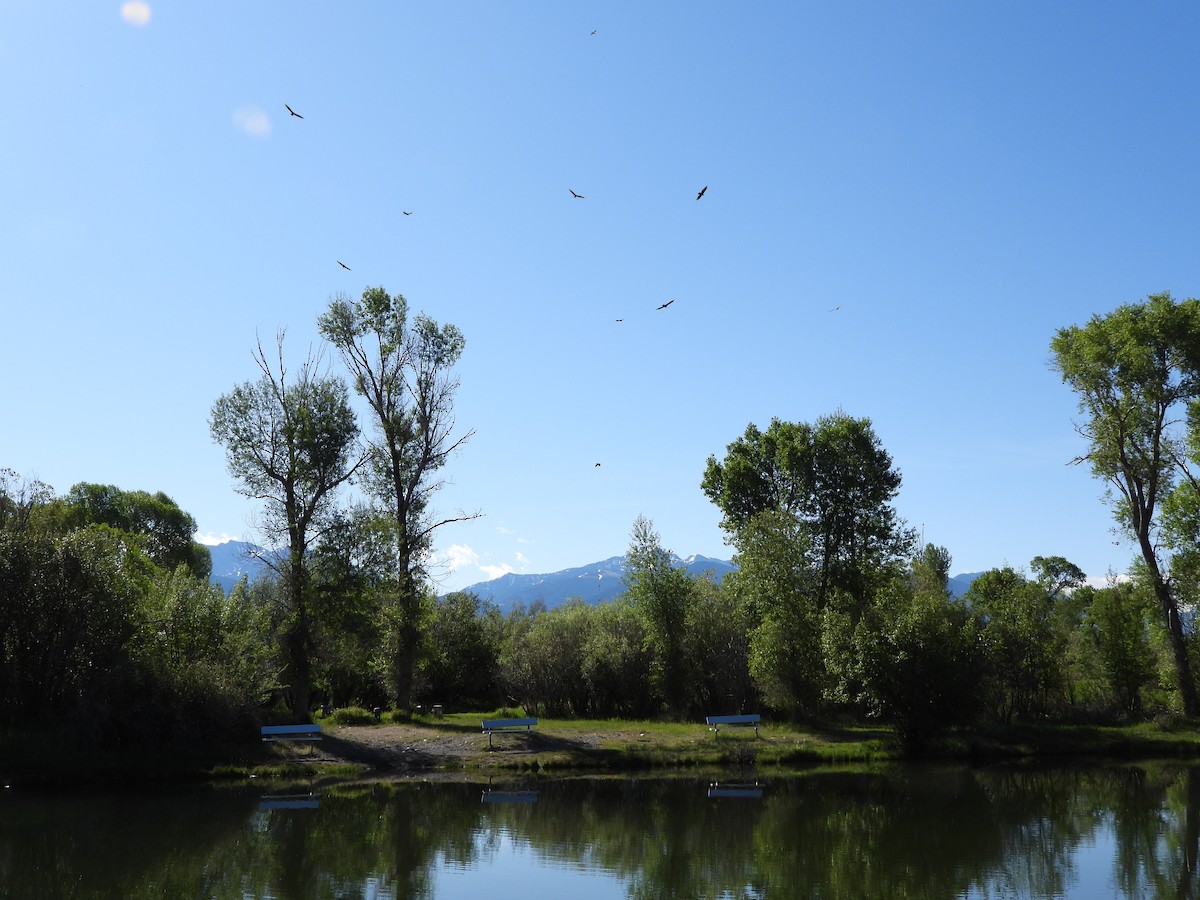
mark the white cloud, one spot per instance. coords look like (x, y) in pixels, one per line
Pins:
(136, 12)
(252, 120)
(1103, 581)
(496, 571)
(212, 540)
(459, 555)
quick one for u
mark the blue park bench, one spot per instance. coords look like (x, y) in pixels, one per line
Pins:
(291, 732)
(716, 722)
(491, 726)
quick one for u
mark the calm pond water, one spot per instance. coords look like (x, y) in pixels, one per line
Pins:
(903, 832)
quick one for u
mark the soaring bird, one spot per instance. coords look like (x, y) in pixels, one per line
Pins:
(575, 195)
(292, 111)
(593, 31)
(620, 320)
(406, 212)
(836, 308)
(702, 190)
(668, 303)
(343, 265)
(597, 465)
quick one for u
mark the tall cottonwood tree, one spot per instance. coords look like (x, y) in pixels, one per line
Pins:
(835, 478)
(1136, 372)
(289, 441)
(403, 369)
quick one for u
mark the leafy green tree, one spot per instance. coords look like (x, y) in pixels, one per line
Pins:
(835, 478)
(550, 677)
(1056, 575)
(661, 593)
(72, 606)
(1117, 618)
(463, 649)
(1136, 371)
(167, 528)
(1022, 649)
(718, 645)
(931, 569)
(914, 660)
(515, 674)
(616, 662)
(20, 498)
(289, 442)
(403, 369)
(777, 587)
(202, 667)
(351, 569)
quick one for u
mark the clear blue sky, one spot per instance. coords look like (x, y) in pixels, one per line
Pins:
(958, 179)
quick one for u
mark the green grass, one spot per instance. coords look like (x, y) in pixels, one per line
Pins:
(647, 744)
(595, 745)
(563, 744)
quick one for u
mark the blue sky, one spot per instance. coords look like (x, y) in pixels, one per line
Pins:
(958, 180)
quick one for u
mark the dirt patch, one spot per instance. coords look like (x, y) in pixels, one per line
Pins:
(407, 748)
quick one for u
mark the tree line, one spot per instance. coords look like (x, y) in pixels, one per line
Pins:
(835, 610)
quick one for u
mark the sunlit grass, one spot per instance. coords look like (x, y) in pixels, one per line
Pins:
(645, 743)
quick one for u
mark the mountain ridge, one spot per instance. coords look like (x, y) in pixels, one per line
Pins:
(593, 583)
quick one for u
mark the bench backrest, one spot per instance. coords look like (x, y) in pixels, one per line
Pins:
(291, 729)
(507, 723)
(733, 720)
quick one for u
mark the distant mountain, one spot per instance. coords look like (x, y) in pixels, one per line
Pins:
(959, 583)
(593, 583)
(233, 560)
(604, 580)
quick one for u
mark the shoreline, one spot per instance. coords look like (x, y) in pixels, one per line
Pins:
(456, 744)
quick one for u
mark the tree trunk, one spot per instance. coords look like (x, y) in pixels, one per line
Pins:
(405, 663)
(299, 638)
(1183, 667)
(407, 637)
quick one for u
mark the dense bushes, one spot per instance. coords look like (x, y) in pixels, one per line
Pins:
(97, 638)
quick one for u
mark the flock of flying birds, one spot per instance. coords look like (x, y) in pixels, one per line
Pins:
(573, 194)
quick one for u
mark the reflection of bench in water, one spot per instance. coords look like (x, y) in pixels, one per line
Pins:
(491, 726)
(715, 722)
(740, 791)
(289, 801)
(490, 796)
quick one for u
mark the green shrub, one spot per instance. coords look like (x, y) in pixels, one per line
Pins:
(352, 715)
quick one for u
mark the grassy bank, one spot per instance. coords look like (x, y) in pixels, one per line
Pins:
(617, 744)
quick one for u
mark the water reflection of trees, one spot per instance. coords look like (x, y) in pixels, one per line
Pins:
(903, 833)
